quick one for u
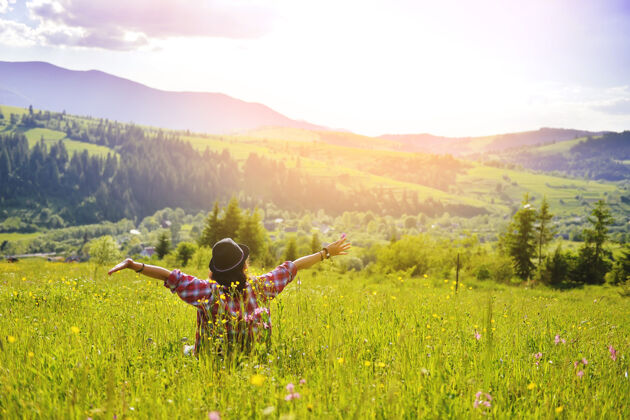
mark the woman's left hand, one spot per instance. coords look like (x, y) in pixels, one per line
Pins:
(339, 247)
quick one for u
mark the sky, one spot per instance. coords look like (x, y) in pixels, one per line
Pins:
(452, 68)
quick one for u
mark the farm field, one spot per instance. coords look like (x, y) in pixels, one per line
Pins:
(475, 186)
(52, 136)
(381, 346)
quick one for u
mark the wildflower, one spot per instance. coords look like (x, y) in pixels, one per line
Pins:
(613, 352)
(290, 387)
(531, 386)
(74, 329)
(482, 399)
(559, 340)
(580, 373)
(292, 396)
(367, 363)
(477, 336)
(257, 380)
(11, 339)
(381, 364)
(31, 354)
(559, 409)
(340, 360)
(214, 415)
(538, 356)
(302, 381)
(584, 362)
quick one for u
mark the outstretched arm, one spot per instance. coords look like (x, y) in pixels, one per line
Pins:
(148, 270)
(339, 247)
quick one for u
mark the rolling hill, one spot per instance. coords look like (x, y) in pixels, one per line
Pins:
(103, 95)
(461, 146)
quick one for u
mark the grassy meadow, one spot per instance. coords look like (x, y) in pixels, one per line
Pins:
(79, 345)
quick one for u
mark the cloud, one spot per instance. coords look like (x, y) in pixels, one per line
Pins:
(131, 24)
(617, 107)
(5, 6)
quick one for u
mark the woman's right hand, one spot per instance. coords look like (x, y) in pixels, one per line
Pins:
(125, 264)
(339, 247)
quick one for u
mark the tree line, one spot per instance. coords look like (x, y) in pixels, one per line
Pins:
(531, 230)
(149, 170)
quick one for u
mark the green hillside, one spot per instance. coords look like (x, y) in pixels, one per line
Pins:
(49, 136)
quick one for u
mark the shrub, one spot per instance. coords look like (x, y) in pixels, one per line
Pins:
(184, 252)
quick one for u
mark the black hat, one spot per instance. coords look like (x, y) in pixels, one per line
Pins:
(227, 255)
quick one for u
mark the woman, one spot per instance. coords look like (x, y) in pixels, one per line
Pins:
(232, 308)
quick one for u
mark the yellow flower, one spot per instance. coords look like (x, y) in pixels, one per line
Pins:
(11, 339)
(340, 360)
(380, 364)
(257, 380)
(445, 280)
(367, 363)
(559, 409)
(31, 354)
(75, 330)
(425, 276)
(393, 297)
(531, 386)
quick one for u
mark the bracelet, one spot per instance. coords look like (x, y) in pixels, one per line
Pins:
(140, 271)
(321, 255)
(327, 253)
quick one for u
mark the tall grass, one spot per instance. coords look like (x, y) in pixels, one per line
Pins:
(74, 346)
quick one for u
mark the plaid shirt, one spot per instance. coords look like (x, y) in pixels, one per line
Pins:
(239, 319)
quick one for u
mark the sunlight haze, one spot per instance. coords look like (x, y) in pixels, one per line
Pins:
(451, 68)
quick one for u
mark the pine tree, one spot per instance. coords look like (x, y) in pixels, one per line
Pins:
(231, 222)
(591, 267)
(544, 231)
(164, 245)
(290, 253)
(600, 219)
(253, 234)
(209, 236)
(316, 244)
(520, 239)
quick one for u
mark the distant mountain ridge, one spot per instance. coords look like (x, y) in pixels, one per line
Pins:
(460, 146)
(102, 95)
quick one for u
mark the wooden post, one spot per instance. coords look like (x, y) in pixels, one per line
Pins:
(457, 274)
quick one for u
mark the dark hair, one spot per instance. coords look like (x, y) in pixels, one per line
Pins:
(232, 280)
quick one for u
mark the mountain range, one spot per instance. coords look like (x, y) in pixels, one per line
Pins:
(102, 95)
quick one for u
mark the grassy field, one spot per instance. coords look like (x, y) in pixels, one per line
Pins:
(15, 236)
(476, 186)
(51, 137)
(74, 346)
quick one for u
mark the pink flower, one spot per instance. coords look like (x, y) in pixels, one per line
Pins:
(290, 387)
(538, 355)
(613, 352)
(580, 373)
(214, 415)
(302, 381)
(559, 340)
(584, 362)
(482, 399)
(576, 363)
(292, 396)
(477, 336)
